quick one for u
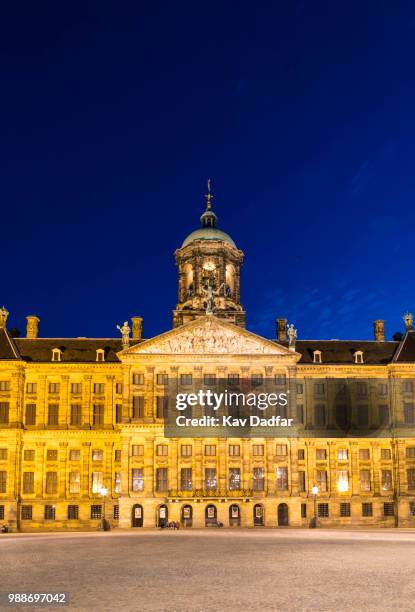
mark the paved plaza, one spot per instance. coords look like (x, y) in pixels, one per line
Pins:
(216, 570)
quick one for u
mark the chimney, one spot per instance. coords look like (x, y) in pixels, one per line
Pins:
(379, 330)
(281, 330)
(137, 327)
(32, 326)
(408, 317)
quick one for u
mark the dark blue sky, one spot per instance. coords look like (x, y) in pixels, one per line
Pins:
(113, 115)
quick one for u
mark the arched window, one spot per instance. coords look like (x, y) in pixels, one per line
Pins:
(358, 357)
(316, 356)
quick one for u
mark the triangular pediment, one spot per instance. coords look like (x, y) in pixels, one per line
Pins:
(208, 335)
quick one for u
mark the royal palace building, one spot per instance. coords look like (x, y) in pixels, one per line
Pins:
(83, 434)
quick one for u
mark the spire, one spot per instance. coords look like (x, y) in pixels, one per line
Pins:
(208, 218)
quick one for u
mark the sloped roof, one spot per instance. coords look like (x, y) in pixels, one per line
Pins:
(406, 352)
(8, 349)
(342, 351)
(74, 350)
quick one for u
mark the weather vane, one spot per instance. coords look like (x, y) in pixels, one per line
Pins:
(209, 195)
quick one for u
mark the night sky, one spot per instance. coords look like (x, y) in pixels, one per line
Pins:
(114, 114)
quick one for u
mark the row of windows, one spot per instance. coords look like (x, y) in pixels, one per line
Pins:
(345, 509)
(75, 388)
(72, 512)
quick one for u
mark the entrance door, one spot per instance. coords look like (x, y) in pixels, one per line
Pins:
(283, 515)
(137, 516)
(211, 516)
(162, 516)
(234, 516)
(187, 516)
(258, 515)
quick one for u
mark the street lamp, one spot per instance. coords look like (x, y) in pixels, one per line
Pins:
(314, 491)
(103, 492)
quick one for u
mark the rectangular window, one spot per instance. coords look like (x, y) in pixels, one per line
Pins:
(137, 450)
(411, 508)
(50, 513)
(4, 412)
(74, 454)
(51, 454)
(281, 450)
(210, 479)
(282, 478)
(162, 406)
(386, 480)
(361, 389)
(320, 415)
(138, 379)
(186, 479)
(301, 481)
(75, 414)
(118, 413)
(342, 454)
(259, 479)
(31, 387)
(29, 455)
(73, 512)
(383, 410)
(299, 388)
(162, 450)
(301, 454)
(74, 482)
(319, 388)
(367, 509)
(97, 482)
(53, 414)
(161, 479)
(233, 379)
(363, 415)
(323, 510)
(209, 379)
(258, 450)
(234, 450)
(162, 379)
(97, 454)
(51, 483)
(28, 482)
(234, 479)
(99, 388)
(117, 482)
(407, 386)
(257, 380)
(3, 454)
(388, 509)
(410, 474)
(116, 512)
(321, 454)
(26, 513)
(410, 452)
(137, 478)
(364, 454)
(76, 388)
(408, 410)
(385, 453)
(96, 511)
(54, 387)
(138, 406)
(322, 480)
(186, 450)
(30, 416)
(118, 388)
(303, 510)
(3, 481)
(185, 379)
(344, 509)
(300, 413)
(341, 415)
(98, 414)
(117, 456)
(365, 480)
(383, 389)
(280, 380)
(210, 450)
(342, 481)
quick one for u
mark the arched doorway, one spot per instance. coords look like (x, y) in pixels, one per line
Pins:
(234, 515)
(211, 516)
(162, 516)
(137, 517)
(258, 515)
(282, 515)
(187, 516)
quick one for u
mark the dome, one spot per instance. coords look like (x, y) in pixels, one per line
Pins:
(208, 233)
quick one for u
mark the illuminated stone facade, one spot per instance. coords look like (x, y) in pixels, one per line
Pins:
(77, 415)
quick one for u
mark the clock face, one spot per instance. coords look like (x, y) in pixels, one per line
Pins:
(209, 265)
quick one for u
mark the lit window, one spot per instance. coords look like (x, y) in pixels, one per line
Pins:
(56, 354)
(358, 356)
(97, 455)
(117, 482)
(343, 481)
(162, 450)
(186, 450)
(137, 477)
(97, 482)
(316, 356)
(342, 454)
(74, 482)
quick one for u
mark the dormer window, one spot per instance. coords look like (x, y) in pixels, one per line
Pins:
(316, 356)
(56, 354)
(358, 357)
(100, 355)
